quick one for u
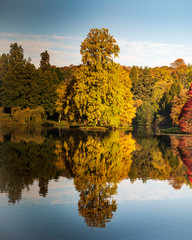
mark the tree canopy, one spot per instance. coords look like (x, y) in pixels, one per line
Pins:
(101, 93)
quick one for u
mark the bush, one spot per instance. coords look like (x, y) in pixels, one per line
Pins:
(28, 116)
(38, 114)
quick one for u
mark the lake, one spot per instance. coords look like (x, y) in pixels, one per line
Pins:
(72, 184)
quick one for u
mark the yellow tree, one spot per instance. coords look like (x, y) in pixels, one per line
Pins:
(100, 92)
(127, 108)
(97, 92)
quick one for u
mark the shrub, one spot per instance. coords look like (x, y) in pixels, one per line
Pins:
(28, 116)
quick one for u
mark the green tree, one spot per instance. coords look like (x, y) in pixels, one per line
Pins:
(169, 96)
(17, 79)
(47, 82)
(134, 75)
(143, 88)
(45, 59)
(145, 113)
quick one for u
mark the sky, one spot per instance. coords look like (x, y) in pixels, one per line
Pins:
(149, 32)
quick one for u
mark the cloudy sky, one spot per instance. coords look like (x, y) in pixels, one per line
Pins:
(149, 33)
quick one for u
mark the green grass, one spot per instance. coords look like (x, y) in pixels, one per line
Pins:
(173, 130)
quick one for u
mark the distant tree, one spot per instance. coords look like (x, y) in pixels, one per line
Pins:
(180, 71)
(177, 104)
(162, 81)
(45, 61)
(178, 63)
(169, 96)
(143, 88)
(145, 113)
(185, 117)
(134, 75)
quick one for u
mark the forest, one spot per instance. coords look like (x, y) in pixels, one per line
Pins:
(98, 92)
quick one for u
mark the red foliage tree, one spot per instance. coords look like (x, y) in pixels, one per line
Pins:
(185, 117)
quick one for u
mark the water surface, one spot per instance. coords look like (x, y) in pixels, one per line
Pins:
(58, 184)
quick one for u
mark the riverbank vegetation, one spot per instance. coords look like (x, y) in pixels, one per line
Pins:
(99, 92)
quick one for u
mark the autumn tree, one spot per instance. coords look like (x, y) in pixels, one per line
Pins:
(98, 91)
(99, 48)
(128, 110)
(185, 117)
(177, 104)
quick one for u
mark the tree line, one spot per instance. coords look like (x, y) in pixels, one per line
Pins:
(97, 92)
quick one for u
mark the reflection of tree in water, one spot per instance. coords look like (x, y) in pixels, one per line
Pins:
(185, 150)
(154, 158)
(96, 161)
(98, 164)
(22, 163)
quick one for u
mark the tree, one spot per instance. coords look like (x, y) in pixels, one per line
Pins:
(134, 75)
(162, 81)
(169, 96)
(145, 113)
(97, 89)
(143, 88)
(45, 59)
(47, 83)
(99, 48)
(185, 117)
(177, 104)
(16, 79)
(127, 108)
(178, 63)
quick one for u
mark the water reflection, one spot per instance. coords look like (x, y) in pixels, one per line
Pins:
(96, 161)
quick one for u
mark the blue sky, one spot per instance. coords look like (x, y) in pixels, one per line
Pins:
(149, 32)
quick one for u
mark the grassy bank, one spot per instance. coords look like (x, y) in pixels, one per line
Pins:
(6, 120)
(173, 130)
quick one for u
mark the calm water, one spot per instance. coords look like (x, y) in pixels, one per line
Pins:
(57, 184)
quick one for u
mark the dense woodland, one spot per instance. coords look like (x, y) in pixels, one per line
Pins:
(97, 92)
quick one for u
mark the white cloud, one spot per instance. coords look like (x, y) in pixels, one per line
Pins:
(152, 54)
(152, 190)
(65, 50)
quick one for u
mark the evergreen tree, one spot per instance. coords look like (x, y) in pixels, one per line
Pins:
(134, 75)
(47, 83)
(16, 79)
(45, 59)
(142, 89)
(169, 96)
